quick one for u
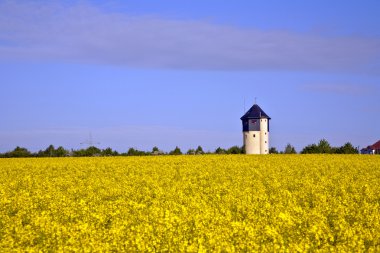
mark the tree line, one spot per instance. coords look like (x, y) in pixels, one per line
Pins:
(51, 151)
(323, 147)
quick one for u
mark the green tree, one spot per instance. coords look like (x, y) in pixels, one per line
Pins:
(109, 152)
(235, 150)
(324, 147)
(289, 149)
(19, 152)
(191, 151)
(273, 150)
(347, 148)
(131, 152)
(176, 151)
(50, 151)
(199, 151)
(310, 149)
(90, 151)
(157, 151)
(79, 152)
(135, 152)
(61, 152)
(93, 151)
(220, 150)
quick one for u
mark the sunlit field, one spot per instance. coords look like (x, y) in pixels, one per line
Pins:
(208, 203)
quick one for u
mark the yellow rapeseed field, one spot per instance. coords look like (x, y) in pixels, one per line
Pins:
(210, 203)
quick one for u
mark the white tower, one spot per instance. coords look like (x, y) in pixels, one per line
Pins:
(256, 131)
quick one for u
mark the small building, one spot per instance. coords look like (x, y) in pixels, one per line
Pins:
(371, 150)
(256, 131)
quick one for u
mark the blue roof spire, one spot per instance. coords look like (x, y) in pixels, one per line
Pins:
(255, 112)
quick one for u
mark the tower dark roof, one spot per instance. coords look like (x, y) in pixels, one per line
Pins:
(255, 113)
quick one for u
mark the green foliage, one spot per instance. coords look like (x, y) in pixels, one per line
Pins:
(90, 151)
(176, 151)
(289, 149)
(220, 151)
(199, 151)
(310, 149)
(347, 149)
(109, 152)
(191, 152)
(157, 151)
(52, 152)
(324, 147)
(273, 150)
(135, 152)
(236, 150)
(18, 152)
(61, 152)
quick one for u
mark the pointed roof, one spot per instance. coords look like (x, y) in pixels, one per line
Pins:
(255, 112)
(375, 146)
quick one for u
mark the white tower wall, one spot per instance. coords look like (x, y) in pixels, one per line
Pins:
(256, 131)
(264, 136)
(251, 140)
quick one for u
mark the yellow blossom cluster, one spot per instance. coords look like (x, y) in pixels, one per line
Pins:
(209, 203)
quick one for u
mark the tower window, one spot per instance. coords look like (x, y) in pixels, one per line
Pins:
(265, 141)
(265, 133)
(254, 135)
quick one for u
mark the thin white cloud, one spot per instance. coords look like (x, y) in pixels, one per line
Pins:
(85, 33)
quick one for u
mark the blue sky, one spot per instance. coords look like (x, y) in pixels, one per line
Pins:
(166, 73)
